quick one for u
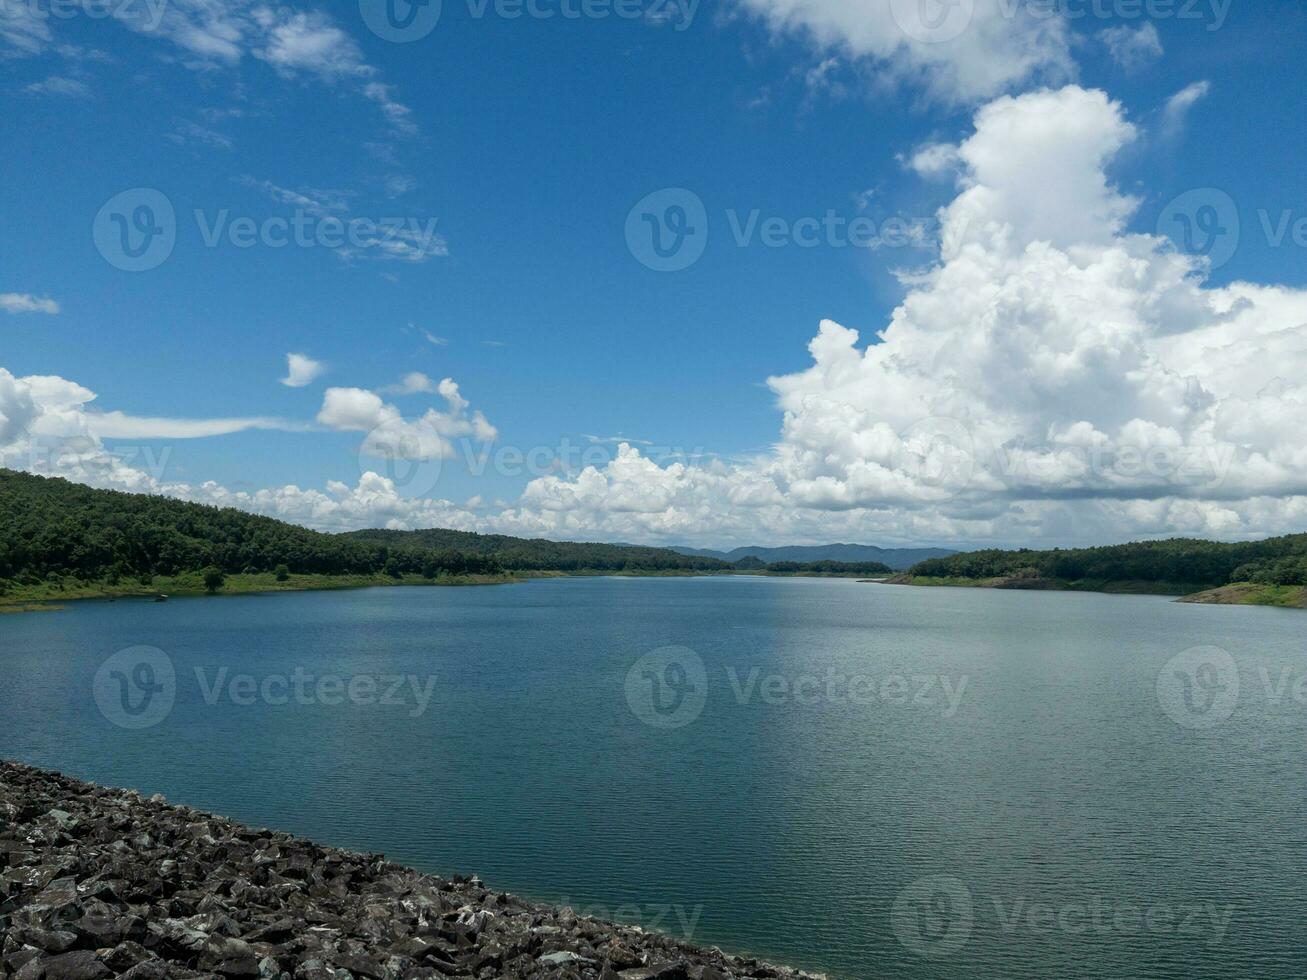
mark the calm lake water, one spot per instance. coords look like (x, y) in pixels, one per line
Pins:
(873, 781)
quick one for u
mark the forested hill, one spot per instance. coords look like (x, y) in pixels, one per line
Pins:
(50, 528)
(1180, 561)
(896, 558)
(530, 554)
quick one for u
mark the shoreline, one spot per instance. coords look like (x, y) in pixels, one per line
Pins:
(192, 585)
(44, 599)
(1236, 594)
(113, 883)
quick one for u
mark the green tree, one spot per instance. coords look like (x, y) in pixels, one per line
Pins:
(282, 573)
(214, 579)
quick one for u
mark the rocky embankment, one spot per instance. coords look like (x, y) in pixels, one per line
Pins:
(100, 882)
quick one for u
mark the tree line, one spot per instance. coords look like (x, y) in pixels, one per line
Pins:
(531, 555)
(1188, 561)
(52, 529)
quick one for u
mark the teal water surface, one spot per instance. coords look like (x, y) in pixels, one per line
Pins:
(870, 781)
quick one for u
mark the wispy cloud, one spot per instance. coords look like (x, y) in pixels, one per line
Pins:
(398, 185)
(116, 425)
(59, 85)
(616, 440)
(399, 115)
(1178, 106)
(218, 34)
(189, 133)
(311, 42)
(22, 31)
(27, 303)
(1133, 49)
(398, 239)
(316, 201)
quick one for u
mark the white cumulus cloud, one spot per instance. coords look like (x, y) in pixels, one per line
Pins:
(392, 436)
(973, 50)
(1052, 378)
(302, 371)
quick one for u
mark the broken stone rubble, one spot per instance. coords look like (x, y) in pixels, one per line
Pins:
(98, 882)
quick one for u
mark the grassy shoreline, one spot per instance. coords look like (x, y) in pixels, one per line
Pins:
(1237, 594)
(1252, 594)
(46, 597)
(50, 598)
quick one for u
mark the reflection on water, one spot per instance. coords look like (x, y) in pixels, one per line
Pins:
(867, 780)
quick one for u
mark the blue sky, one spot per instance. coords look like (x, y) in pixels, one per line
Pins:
(528, 141)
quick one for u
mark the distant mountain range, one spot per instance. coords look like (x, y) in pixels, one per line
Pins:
(899, 559)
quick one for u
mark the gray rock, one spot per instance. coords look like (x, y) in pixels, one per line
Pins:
(230, 957)
(563, 958)
(81, 964)
(163, 891)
